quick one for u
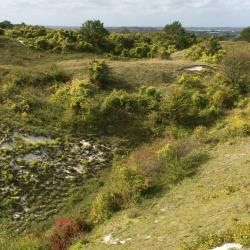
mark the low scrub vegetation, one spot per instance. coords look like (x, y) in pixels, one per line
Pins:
(64, 231)
(38, 78)
(245, 34)
(236, 67)
(208, 50)
(238, 233)
(158, 135)
(99, 73)
(124, 190)
(93, 37)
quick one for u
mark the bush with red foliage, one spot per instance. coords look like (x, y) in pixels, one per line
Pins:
(64, 230)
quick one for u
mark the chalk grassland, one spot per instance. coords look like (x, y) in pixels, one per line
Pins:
(134, 71)
(213, 201)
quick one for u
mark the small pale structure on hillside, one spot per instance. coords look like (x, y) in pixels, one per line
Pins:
(195, 68)
(229, 246)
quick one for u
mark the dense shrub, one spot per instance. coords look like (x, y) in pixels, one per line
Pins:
(239, 233)
(38, 78)
(99, 73)
(134, 110)
(117, 109)
(122, 42)
(27, 31)
(105, 204)
(140, 51)
(221, 96)
(164, 53)
(146, 113)
(176, 35)
(236, 125)
(179, 109)
(64, 231)
(1, 32)
(245, 34)
(208, 50)
(79, 92)
(125, 189)
(236, 66)
(190, 82)
(77, 246)
(93, 37)
(194, 103)
(93, 32)
(40, 38)
(140, 45)
(77, 100)
(6, 25)
(181, 159)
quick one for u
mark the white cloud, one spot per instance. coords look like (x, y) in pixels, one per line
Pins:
(127, 12)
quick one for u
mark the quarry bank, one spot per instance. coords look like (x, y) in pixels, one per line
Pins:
(38, 173)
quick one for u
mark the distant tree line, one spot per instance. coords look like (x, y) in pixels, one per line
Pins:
(94, 37)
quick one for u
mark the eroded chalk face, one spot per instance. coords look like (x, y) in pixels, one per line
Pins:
(38, 173)
(229, 246)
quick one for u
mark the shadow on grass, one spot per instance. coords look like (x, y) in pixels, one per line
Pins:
(174, 173)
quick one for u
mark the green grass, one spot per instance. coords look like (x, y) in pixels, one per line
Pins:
(127, 74)
(135, 72)
(212, 201)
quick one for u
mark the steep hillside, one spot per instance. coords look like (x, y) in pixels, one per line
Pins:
(211, 202)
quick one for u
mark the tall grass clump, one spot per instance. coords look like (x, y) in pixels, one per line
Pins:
(64, 231)
(38, 78)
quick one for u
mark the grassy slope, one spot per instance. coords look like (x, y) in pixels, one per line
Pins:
(210, 202)
(134, 72)
(129, 74)
(197, 205)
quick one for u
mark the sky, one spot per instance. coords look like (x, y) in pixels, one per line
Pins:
(154, 13)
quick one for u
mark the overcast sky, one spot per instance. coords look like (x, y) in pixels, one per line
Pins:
(128, 12)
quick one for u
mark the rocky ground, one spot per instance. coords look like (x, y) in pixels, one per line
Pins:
(38, 173)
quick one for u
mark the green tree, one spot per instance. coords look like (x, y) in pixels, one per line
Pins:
(178, 36)
(245, 34)
(6, 25)
(1, 32)
(212, 46)
(93, 32)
